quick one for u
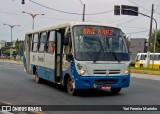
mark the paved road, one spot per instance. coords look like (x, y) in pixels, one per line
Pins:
(18, 88)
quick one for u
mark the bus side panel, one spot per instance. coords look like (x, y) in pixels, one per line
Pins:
(24, 55)
(50, 66)
(37, 64)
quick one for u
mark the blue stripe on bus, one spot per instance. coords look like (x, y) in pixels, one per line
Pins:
(83, 82)
(44, 72)
(87, 82)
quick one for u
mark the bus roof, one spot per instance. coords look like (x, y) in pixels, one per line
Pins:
(69, 24)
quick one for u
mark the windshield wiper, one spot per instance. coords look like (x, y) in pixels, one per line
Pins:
(99, 51)
(97, 55)
(115, 56)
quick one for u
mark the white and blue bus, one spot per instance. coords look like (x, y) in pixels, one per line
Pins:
(78, 55)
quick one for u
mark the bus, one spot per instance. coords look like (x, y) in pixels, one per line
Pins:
(141, 60)
(78, 55)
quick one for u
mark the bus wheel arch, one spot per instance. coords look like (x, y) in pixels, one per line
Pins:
(68, 83)
(65, 80)
(37, 78)
(34, 70)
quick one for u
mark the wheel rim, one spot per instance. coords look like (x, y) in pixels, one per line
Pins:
(36, 77)
(70, 86)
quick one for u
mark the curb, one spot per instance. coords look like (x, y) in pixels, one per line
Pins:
(11, 61)
(145, 72)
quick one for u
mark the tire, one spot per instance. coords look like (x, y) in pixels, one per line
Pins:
(70, 89)
(37, 78)
(115, 90)
(141, 65)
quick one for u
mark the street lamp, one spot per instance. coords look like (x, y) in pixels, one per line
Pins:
(33, 16)
(11, 26)
(83, 10)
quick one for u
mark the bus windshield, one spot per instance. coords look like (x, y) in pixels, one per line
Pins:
(99, 43)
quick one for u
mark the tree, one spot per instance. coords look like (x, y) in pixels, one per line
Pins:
(6, 50)
(19, 47)
(157, 49)
(128, 42)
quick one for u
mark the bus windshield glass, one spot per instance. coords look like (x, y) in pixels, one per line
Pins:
(99, 43)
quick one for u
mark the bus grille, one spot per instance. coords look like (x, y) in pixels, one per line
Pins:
(107, 72)
(109, 81)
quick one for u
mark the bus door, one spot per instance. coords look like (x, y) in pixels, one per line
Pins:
(58, 55)
(27, 49)
(41, 54)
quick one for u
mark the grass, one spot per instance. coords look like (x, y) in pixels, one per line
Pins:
(147, 69)
(19, 60)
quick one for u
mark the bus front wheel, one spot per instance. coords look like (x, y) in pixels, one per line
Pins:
(37, 78)
(70, 89)
(115, 90)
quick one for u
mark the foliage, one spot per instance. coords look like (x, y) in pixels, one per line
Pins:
(6, 50)
(149, 69)
(18, 47)
(128, 42)
(157, 49)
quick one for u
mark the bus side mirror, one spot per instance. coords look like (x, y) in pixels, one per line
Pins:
(69, 57)
(66, 36)
(66, 40)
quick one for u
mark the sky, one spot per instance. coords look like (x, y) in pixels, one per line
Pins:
(132, 26)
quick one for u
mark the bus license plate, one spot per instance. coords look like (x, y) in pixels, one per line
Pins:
(106, 87)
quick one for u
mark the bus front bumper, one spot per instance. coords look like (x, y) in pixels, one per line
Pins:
(98, 82)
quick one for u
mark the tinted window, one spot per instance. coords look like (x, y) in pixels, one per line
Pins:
(51, 42)
(35, 42)
(42, 41)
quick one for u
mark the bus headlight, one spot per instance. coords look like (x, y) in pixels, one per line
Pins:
(127, 71)
(82, 72)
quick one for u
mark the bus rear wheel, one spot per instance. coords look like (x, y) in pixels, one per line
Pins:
(70, 89)
(37, 78)
(115, 90)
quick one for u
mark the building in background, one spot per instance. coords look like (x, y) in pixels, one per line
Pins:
(138, 45)
(2, 43)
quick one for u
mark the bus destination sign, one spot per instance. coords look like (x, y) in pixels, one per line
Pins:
(93, 31)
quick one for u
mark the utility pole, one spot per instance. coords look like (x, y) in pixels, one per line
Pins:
(149, 39)
(83, 12)
(23, 2)
(33, 17)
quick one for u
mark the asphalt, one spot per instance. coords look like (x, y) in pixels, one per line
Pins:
(18, 88)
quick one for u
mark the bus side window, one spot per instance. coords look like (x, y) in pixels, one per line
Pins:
(67, 42)
(143, 57)
(156, 57)
(35, 42)
(42, 41)
(50, 48)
